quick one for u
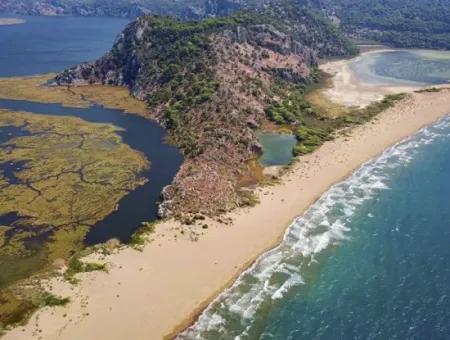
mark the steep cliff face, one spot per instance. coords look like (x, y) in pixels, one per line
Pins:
(210, 84)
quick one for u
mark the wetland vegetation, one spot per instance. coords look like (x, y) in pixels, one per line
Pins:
(70, 178)
(58, 178)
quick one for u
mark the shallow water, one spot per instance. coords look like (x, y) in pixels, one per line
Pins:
(369, 260)
(277, 148)
(403, 67)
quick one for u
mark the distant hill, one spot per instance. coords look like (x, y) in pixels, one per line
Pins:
(400, 23)
(212, 83)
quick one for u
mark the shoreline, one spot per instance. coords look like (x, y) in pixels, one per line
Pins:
(167, 285)
(349, 91)
(191, 320)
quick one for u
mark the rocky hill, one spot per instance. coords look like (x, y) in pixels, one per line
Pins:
(211, 84)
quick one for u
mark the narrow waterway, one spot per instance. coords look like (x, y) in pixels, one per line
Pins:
(141, 134)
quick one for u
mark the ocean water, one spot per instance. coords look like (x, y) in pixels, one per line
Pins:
(403, 67)
(369, 260)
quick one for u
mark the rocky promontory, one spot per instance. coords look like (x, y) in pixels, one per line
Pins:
(211, 84)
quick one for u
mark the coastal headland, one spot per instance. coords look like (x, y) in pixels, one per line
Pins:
(165, 285)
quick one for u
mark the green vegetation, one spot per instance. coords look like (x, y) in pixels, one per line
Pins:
(292, 105)
(400, 23)
(50, 300)
(177, 73)
(312, 127)
(431, 89)
(309, 139)
(15, 310)
(249, 198)
(65, 175)
(139, 238)
(76, 265)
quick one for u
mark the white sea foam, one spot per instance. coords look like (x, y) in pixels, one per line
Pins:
(325, 224)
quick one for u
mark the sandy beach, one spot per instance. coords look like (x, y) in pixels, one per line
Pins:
(158, 291)
(348, 90)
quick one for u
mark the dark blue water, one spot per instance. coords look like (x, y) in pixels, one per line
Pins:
(141, 134)
(51, 44)
(369, 260)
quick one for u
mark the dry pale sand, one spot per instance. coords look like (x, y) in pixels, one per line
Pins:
(348, 90)
(153, 293)
(10, 21)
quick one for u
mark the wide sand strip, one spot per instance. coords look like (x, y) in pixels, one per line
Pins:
(348, 90)
(150, 294)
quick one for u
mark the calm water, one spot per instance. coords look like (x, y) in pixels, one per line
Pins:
(141, 134)
(51, 44)
(277, 148)
(403, 67)
(369, 260)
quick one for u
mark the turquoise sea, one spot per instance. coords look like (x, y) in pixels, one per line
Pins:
(369, 260)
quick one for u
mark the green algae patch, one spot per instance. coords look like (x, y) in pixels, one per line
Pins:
(59, 176)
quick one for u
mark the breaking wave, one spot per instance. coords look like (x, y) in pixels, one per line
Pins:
(234, 314)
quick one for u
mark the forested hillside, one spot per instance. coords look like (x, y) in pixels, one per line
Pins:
(401, 23)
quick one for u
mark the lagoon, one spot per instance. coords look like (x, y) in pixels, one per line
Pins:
(403, 67)
(277, 148)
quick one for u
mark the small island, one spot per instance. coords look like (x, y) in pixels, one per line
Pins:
(11, 21)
